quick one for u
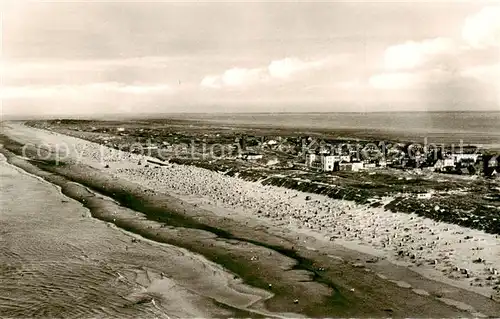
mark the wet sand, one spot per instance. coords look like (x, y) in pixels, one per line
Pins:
(325, 280)
(57, 261)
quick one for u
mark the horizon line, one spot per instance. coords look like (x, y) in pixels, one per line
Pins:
(7, 117)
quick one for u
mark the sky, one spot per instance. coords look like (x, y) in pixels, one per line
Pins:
(122, 57)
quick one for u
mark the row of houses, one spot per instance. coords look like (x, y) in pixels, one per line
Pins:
(488, 165)
(330, 163)
(462, 163)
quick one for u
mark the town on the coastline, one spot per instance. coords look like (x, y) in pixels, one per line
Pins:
(362, 155)
(294, 151)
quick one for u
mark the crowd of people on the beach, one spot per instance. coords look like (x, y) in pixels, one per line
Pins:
(457, 252)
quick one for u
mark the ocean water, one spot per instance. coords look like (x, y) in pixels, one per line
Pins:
(438, 127)
(56, 261)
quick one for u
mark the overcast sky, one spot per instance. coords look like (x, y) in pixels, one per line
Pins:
(118, 57)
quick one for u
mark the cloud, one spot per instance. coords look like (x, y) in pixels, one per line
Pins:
(436, 61)
(81, 91)
(287, 67)
(23, 68)
(282, 69)
(479, 31)
(234, 77)
(482, 30)
(485, 73)
(409, 80)
(411, 54)
(211, 81)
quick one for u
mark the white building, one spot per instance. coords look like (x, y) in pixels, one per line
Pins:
(493, 162)
(352, 166)
(424, 195)
(252, 157)
(444, 164)
(324, 151)
(449, 162)
(311, 158)
(369, 165)
(327, 162)
(460, 157)
(272, 161)
(272, 142)
(345, 158)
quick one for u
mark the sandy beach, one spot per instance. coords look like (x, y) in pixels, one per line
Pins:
(58, 261)
(464, 257)
(396, 248)
(250, 159)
